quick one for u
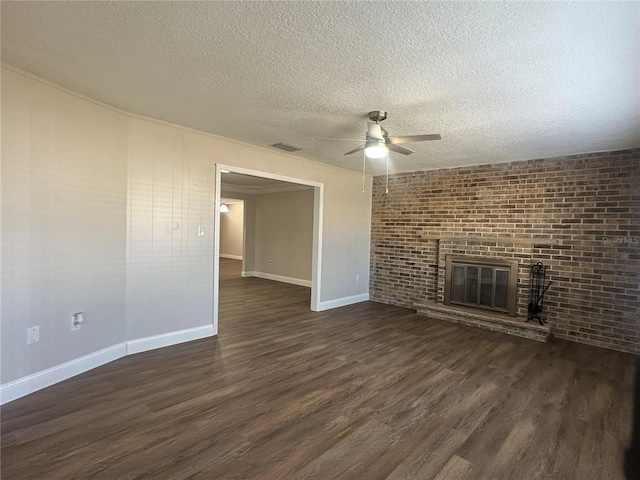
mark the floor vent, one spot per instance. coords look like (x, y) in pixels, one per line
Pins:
(285, 147)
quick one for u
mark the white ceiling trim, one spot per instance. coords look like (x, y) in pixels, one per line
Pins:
(231, 201)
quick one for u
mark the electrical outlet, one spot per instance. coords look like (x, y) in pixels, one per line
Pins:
(33, 335)
(270, 260)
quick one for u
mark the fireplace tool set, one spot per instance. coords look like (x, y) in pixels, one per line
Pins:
(537, 289)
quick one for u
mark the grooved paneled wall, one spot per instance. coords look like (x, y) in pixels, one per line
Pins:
(578, 214)
(101, 211)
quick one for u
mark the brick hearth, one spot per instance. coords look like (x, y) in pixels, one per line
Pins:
(489, 321)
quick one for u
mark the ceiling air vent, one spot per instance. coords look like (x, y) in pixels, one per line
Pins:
(285, 147)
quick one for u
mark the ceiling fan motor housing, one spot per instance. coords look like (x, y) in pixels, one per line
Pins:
(377, 116)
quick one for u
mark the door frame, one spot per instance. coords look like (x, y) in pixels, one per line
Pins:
(316, 256)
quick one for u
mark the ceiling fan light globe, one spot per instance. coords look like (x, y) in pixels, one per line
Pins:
(375, 151)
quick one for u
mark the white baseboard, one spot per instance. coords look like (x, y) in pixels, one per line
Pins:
(172, 338)
(232, 257)
(32, 383)
(37, 381)
(278, 278)
(341, 302)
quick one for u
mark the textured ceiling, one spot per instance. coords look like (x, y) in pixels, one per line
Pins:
(500, 81)
(249, 180)
(240, 183)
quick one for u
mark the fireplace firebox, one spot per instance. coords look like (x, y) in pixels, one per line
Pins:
(486, 283)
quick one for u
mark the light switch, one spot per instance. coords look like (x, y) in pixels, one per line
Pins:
(200, 231)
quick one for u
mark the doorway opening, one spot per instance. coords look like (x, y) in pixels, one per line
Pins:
(232, 229)
(234, 184)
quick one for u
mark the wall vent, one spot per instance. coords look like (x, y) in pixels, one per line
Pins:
(285, 147)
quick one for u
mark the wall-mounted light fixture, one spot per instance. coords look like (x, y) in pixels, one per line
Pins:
(224, 208)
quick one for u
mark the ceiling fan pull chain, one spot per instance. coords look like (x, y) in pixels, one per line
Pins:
(364, 165)
(387, 184)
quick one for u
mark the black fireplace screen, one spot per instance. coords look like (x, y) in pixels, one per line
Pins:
(481, 283)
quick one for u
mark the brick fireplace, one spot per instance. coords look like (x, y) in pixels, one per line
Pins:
(506, 254)
(579, 215)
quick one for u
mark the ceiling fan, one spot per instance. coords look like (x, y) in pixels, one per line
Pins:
(377, 141)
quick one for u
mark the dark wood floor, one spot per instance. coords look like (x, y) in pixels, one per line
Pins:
(367, 391)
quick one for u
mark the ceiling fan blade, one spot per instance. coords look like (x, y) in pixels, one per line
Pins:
(342, 139)
(413, 138)
(359, 149)
(399, 149)
(374, 130)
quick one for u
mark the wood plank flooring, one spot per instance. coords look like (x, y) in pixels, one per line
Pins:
(368, 391)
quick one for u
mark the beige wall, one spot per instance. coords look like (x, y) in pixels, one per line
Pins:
(284, 234)
(232, 230)
(249, 222)
(100, 214)
(169, 267)
(64, 229)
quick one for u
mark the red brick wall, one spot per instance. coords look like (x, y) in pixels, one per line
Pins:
(578, 214)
